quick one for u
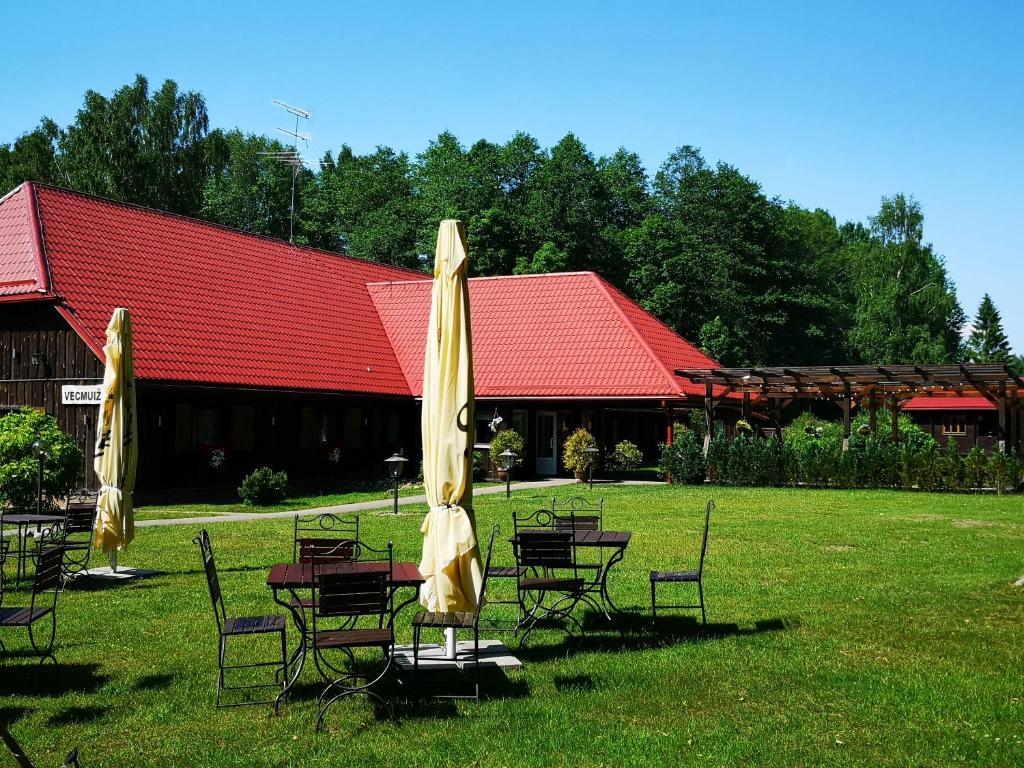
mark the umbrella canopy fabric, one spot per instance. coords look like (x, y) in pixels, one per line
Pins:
(451, 557)
(117, 448)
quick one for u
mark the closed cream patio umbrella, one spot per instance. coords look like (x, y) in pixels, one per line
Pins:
(117, 447)
(451, 558)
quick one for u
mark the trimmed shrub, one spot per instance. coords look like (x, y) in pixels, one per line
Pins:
(975, 468)
(507, 440)
(574, 455)
(626, 457)
(479, 466)
(264, 487)
(683, 460)
(19, 462)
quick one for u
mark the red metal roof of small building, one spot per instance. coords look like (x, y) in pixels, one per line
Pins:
(948, 403)
(555, 335)
(213, 305)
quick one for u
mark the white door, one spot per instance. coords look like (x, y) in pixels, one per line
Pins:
(547, 443)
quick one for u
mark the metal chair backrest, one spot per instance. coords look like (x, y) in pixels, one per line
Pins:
(327, 550)
(495, 532)
(48, 570)
(545, 550)
(325, 524)
(79, 515)
(578, 514)
(210, 566)
(354, 589)
(704, 543)
(538, 520)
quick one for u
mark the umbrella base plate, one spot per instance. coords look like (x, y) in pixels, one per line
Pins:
(493, 655)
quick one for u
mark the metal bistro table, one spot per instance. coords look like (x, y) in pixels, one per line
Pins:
(617, 541)
(23, 522)
(291, 581)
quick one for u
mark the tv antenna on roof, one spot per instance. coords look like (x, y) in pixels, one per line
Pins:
(291, 157)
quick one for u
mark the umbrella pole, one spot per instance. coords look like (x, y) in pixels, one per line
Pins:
(112, 557)
(449, 643)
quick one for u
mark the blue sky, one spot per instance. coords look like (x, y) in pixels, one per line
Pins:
(829, 107)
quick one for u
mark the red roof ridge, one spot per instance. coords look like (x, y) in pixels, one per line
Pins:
(201, 222)
(481, 278)
(674, 383)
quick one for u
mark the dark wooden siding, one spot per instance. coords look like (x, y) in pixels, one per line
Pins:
(39, 353)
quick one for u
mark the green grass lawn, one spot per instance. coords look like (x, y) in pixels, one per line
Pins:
(292, 503)
(846, 628)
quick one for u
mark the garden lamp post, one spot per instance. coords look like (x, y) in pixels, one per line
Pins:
(592, 453)
(40, 448)
(396, 465)
(508, 460)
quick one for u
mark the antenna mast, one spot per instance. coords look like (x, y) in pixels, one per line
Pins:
(291, 157)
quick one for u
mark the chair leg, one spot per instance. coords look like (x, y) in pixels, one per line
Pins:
(284, 671)
(703, 615)
(654, 603)
(416, 663)
(221, 653)
(476, 656)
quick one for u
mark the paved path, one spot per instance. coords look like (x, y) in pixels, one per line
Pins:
(362, 506)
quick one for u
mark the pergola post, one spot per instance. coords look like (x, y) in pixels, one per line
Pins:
(709, 406)
(775, 417)
(873, 412)
(1004, 432)
(895, 420)
(846, 417)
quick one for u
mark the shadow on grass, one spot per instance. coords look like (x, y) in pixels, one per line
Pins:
(86, 584)
(566, 683)
(635, 632)
(11, 715)
(34, 679)
(153, 682)
(76, 716)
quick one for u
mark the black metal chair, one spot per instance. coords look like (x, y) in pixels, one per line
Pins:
(74, 534)
(47, 582)
(585, 516)
(331, 527)
(685, 577)
(467, 620)
(234, 627)
(548, 559)
(5, 545)
(344, 594)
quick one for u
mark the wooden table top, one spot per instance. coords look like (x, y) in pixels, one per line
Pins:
(610, 539)
(300, 575)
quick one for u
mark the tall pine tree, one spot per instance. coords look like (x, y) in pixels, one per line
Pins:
(988, 342)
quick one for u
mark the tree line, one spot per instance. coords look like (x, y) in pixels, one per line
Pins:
(751, 279)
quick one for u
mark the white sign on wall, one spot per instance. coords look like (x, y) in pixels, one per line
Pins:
(77, 394)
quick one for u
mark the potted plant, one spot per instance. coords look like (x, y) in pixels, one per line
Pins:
(506, 440)
(575, 456)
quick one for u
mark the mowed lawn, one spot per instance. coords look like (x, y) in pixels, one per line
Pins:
(845, 628)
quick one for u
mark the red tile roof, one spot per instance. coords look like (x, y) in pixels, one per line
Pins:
(948, 403)
(214, 305)
(211, 304)
(21, 267)
(556, 335)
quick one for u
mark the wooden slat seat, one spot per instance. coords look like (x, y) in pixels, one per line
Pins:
(22, 616)
(505, 572)
(254, 625)
(675, 576)
(550, 584)
(354, 638)
(457, 619)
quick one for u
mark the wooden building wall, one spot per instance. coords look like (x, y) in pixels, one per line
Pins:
(39, 353)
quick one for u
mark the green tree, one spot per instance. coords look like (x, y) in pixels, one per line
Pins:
(987, 342)
(32, 157)
(250, 191)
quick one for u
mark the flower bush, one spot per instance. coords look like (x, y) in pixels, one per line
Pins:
(574, 455)
(507, 440)
(626, 457)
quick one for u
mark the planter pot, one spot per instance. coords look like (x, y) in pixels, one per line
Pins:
(502, 474)
(580, 475)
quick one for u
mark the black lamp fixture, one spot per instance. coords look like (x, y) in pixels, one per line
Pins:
(507, 460)
(592, 453)
(396, 465)
(39, 447)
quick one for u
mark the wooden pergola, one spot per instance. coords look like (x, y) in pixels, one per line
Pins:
(864, 385)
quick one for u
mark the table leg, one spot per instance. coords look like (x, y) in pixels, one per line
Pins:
(298, 659)
(617, 556)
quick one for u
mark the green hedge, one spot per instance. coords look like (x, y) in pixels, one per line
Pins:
(811, 454)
